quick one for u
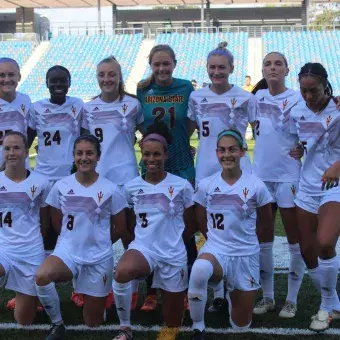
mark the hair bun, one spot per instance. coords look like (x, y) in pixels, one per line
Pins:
(222, 45)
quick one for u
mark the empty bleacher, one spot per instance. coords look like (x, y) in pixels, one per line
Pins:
(18, 50)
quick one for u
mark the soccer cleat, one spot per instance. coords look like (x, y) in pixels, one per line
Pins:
(198, 335)
(288, 311)
(134, 301)
(11, 305)
(186, 303)
(321, 321)
(124, 334)
(150, 304)
(335, 315)
(264, 306)
(57, 332)
(77, 299)
(217, 305)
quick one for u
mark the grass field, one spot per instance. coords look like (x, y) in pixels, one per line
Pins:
(263, 327)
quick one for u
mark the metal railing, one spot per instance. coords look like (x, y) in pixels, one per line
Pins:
(19, 37)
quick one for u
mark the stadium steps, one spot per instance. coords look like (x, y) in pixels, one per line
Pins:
(33, 60)
(140, 65)
(255, 59)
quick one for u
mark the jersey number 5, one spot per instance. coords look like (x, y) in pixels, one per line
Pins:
(7, 219)
(56, 138)
(160, 112)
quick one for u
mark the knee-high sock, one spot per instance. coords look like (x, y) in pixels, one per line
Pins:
(49, 299)
(296, 272)
(267, 269)
(201, 272)
(123, 294)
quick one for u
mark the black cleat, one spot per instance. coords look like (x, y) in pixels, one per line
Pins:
(198, 335)
(217, 305)
(57, 332)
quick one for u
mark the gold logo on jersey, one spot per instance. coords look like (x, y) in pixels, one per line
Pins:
(124, 107)
(328, 120)
(245, 193)
(284, 104)
(171, 191)
(100, 195)
(33, 190)
(23, 108)
(293, 188)
(105, 279)
(74, 110)
(233, 102)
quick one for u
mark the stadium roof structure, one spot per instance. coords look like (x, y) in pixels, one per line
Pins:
(94, 3)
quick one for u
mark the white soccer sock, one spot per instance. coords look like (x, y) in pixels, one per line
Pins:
(49, 299)
(134, 286)
(201, 272)
(315, 277)
(328, 279)
(296, 272)
(123, 293)
(267, 269)
(218, 289)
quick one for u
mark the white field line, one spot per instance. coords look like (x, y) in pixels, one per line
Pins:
(138, 328)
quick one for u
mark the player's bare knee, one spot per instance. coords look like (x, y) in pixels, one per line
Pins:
(326, 249)
(43, 278)
(122, 275)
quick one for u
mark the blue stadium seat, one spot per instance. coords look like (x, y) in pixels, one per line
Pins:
(18, 50)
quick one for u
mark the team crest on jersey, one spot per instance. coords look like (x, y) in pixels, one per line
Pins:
(95, 109)
(284, 104)
(328, 120)
(100, 195)
(124, 107)
(217, 189)
(140, 192)
(245, 193)
(204, 100)
(3, 188)
(71, 192)
(47, 111)
(150, 91)
(171, 191)
(233, 102)
(23, 108)
(74, 110)
(293, 188)
(33, 190)
(104, 279)
(252, 281)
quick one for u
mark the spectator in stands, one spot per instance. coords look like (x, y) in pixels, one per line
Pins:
(165, 98)
(247, 86)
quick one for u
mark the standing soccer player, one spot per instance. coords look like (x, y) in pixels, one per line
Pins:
(88, 213)
(22, 224)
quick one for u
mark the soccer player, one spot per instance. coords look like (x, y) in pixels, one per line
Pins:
(22, 224)
(88, 214)
(227, 205)
(162, 215)
(277, 163)
(165, 98)
(317, 122)
(213, 109)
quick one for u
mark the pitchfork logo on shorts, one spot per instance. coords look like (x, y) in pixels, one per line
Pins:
(233, 102)
(284, 104)
(328, 120)
(252, 281)
(100, 195)
(171, 191)
(33, 190)
(182, 273)
(105, 279)
(124, 107)
(245, 193)
(293, 188)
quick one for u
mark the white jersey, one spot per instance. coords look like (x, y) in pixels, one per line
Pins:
(115, 124)
(231, 212)
(214, 113)
(57, 128)
(274, 139)
(14, 116)
(320, 136)
(85, 231)
(20, 205)
(159, 216)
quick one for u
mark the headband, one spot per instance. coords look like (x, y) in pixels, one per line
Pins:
(230, 133)
(225, 53)
(157, 137)
(9, 60)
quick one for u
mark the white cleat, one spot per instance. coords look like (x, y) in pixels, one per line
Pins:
(264, 306)
(288, 311)
(320, 321)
